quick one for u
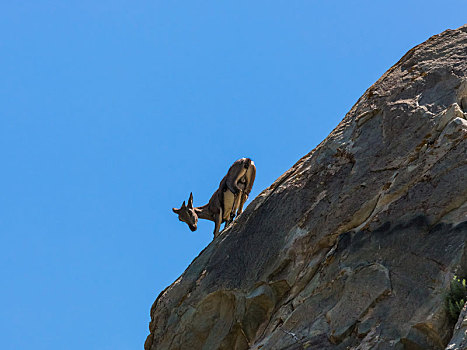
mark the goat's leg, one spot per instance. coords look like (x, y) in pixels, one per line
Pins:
(218, 223)
(235, 206)
(244, 197)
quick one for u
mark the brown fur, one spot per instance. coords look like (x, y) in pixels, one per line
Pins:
(226, 202)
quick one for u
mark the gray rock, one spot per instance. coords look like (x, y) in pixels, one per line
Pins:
(353, 247)
(459, 338)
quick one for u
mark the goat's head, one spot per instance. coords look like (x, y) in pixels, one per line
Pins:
(187, 214)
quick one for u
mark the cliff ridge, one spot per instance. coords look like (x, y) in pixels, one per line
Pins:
(353, 247)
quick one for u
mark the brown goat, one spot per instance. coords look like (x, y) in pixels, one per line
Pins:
(228, 200)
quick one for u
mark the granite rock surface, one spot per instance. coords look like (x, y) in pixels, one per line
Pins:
(353, 247)
(459, 337)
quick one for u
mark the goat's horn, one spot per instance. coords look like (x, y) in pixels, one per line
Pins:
(190, 201)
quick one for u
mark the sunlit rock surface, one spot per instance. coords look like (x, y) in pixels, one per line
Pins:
(353, 247)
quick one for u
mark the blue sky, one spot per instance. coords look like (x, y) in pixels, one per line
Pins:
(111, 112)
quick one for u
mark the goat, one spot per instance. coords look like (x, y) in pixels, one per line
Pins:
(226, 202)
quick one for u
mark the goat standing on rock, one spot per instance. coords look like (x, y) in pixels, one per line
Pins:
(228, 200)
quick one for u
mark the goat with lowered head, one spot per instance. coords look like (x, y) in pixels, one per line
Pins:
(228, 200)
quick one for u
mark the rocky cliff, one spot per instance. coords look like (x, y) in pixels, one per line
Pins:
(353, 247)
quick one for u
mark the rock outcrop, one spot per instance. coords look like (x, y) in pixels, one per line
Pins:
(353, 247)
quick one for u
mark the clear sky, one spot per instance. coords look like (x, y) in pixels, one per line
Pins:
(111, 112)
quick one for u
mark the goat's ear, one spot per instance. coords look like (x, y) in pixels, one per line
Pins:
(183, 205)
(190, 201)
(175, 210)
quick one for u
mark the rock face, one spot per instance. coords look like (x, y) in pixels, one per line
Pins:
(459, 338)
(353, 247)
